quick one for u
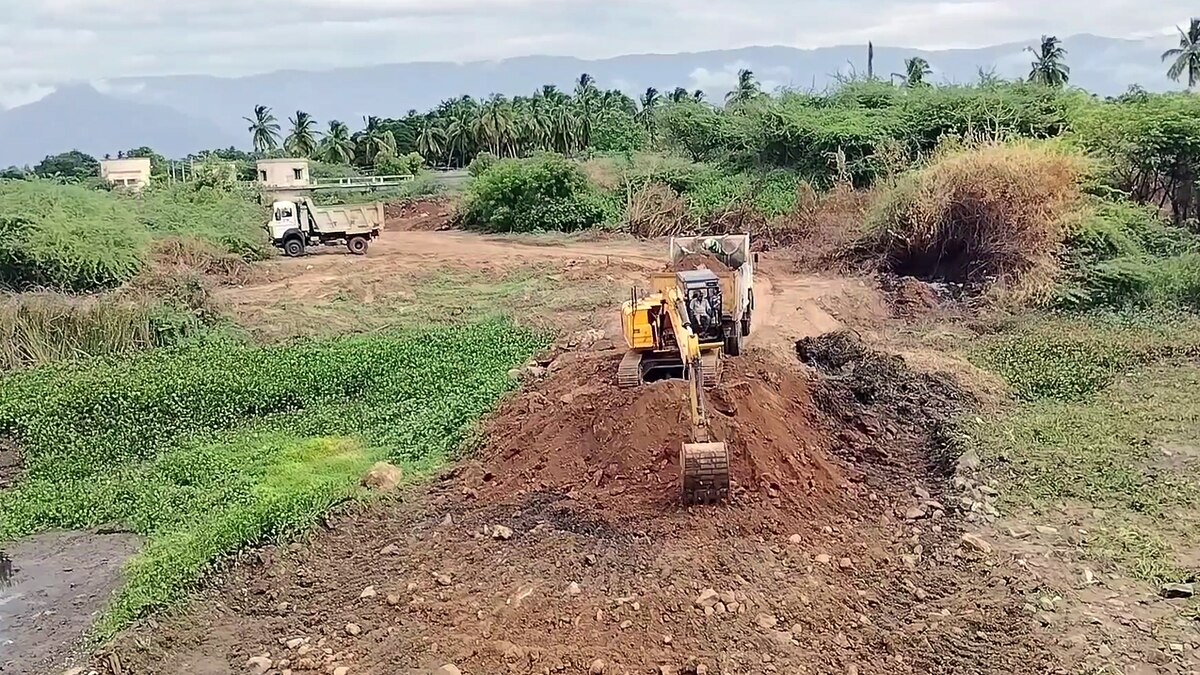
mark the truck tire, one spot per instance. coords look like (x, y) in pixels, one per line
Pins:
(293, 247)
(733, 341)
(357, 245)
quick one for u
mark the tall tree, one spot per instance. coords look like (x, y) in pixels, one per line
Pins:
(870, 60)
(337, 147)
(650, 100)
(1049, 67)
(376, 141)
(698, 95)
(264, 129)
(431, 142)
(1186, 57)
(302, 141)
(678, 95)
(747, 89)
(916, 70)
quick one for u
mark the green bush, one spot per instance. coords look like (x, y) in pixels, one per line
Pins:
(1059, 367)
(482, 162)
(66, 237)
(546, 192)
(210, 447)
(406, 165)
(227, 219)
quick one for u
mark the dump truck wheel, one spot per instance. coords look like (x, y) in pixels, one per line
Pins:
(357, 245)
(733, 341)
(294, 247)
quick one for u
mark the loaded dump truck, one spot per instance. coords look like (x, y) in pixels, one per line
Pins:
(297, 224)
(731, 256)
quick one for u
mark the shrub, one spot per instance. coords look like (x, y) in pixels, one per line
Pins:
(999, 213)
(66, 237)
(482, 162)
(542, 193)
(406, 165)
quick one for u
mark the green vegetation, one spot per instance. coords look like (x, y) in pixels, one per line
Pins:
(1108, 427)
(207, 448)
(543, 193)
(70, 238)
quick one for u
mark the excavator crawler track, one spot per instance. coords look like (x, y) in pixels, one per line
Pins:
(711, 363)
(705, 472)
(629, 373)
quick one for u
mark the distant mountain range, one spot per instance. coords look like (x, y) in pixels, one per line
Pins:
(176, 115)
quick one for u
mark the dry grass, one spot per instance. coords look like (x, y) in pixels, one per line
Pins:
(657, 211)
(37, 328)
(994, 215)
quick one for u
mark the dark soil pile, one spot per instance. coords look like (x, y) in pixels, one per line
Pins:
(878, 396)
(617, 450)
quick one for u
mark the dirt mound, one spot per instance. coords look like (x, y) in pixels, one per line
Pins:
(617, 450)
(425, 215)
(875, 395)
(695, 261)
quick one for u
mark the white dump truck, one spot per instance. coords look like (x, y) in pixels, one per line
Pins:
(297, 224)
(737, 280)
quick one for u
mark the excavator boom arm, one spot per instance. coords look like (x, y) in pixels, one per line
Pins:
(689, 353)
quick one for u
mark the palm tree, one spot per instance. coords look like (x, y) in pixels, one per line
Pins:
(302, 141)
(1187, 55)
(264, 129)
(678, 95)
(1049, 68)
(747, 89)
(650, 101)
(698, 95)
(916, 70)
(377, 141)
(585, 87)
(337, 147)
(459, 134)
(431, 141)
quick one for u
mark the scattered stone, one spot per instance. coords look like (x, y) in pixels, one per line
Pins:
(701, 669)
(1046, 602)
(501, 532)
(304, 649)
(823, 559)
(976, 542)
(368, 592)
(733, 607)
(921, 493)
(781, 637)
(1018, 534)
(797, 629)
(728, 597)
(845, 563)
(916, 512)
(626, 624)
(667, 639)
(393, 599)
(447, 521)
(598, 667)
(666, 670)
(448, 669)
(442, 579)
(1177, 647)
(259, 664)
(1104, 650)
(909, 560)
(384, 477)
(1171, 591)
(707, 599)
(1046, 529)
(574, 589)
(968, 461)
(795, 539)
(765, 621)
(341, 670)
(353, 629)
(296, 643)
(390, 549)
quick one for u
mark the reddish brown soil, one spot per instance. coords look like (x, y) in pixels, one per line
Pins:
(422, 215)
(695, 261)
(615, 452)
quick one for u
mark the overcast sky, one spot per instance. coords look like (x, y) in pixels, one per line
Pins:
(44, 42)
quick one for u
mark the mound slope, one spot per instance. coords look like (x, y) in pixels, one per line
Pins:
(617, 451)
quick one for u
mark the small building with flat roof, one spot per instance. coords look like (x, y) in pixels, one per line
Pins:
(127, 172)
(283, 173)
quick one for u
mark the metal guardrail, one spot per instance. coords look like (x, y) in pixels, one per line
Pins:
(360, 181)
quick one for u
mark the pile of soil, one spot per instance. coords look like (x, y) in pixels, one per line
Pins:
(425, 215)
(871, 395)
(696, 261)
(616, 451)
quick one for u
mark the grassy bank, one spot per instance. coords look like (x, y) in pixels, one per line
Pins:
(207, 448)
(1104, 433)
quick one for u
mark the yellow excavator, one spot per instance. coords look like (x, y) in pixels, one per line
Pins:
(671, 333)
(680, 329)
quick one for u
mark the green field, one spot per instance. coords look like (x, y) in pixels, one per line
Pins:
(208, 448)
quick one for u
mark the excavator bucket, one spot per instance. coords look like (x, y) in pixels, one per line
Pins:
(705, 472)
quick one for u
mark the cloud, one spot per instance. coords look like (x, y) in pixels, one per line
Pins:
(50, 42)
(716, 83)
